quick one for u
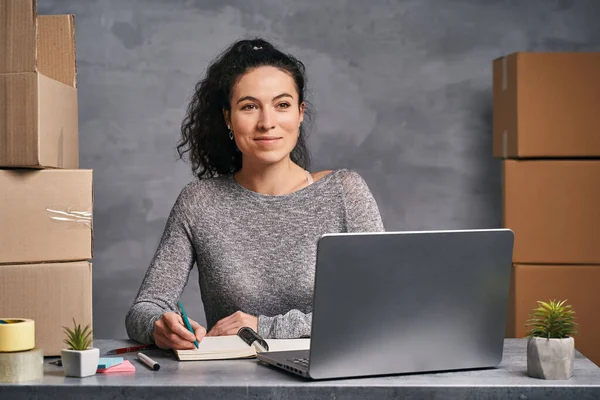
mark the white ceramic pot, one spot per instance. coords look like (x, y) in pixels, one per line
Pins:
(80, 363)
(550, 358)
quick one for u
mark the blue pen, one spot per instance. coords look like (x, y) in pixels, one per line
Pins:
(186, 321)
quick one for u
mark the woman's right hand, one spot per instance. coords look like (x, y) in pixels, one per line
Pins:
(171, 333)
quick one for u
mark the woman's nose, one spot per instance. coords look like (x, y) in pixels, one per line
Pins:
(267, 120)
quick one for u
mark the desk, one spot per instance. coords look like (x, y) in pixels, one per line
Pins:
(242, 379)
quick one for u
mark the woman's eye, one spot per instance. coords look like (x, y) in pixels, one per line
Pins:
(283, 105)
(248, 107)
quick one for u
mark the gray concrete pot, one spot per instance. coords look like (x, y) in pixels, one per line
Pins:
(80, 363)
(550, 358)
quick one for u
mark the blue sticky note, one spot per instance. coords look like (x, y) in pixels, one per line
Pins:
(107, 362)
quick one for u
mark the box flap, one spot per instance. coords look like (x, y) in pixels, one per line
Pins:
(17, 36)
(56, 47)
(505, 106)
(58, 124)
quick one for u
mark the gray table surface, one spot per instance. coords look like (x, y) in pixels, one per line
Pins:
(250, 379)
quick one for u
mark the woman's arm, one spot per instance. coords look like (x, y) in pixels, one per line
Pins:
(292, 325)
(165, 278)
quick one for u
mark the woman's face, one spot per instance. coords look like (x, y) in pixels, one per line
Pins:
(265, 115)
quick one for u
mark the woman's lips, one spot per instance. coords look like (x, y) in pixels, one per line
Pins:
(267, 140)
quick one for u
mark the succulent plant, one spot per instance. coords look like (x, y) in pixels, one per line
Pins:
(78, 338)
(552, 320)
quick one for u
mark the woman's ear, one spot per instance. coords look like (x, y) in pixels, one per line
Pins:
(226, 115)
(302, 107)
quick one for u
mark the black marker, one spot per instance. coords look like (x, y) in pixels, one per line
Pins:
(252, 338)
(148, 361)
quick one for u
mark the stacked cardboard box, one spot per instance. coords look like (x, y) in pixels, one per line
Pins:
(46, 201)
(546, 130)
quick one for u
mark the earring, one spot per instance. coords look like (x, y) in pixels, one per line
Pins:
(230, 132)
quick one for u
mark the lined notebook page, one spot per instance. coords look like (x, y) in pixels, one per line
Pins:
(288, 344)
(217, 344)
(228, 347)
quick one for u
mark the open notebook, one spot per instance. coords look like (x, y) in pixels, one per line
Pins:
(228, 347)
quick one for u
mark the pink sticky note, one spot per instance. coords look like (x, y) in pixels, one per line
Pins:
(125, 366)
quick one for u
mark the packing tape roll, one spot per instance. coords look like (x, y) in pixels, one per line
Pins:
(21, 366)
(16, 334)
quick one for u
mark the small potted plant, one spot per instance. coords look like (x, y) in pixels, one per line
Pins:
(79, 359)
(551, 347)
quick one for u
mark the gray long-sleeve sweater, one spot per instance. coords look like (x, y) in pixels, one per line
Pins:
(255, 253)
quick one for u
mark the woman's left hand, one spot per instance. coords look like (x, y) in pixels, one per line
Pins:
(231, 325)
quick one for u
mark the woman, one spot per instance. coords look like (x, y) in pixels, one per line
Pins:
(252, 218)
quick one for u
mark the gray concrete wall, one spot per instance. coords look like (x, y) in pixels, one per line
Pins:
(402, 91)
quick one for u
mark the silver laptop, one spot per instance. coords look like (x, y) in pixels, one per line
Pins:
(405, 302)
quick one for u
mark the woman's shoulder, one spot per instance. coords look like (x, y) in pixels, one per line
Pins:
(344, 180)
(345, 176)
(340, 173)
(204, 188)
(351, 182)
(317, 176)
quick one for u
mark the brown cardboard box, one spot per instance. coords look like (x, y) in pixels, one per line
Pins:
(553, 207)
(38, 95)
(45, 215)
(50, 294)
(546, 105)
(578, 284)
(38, 122)
(32, 43)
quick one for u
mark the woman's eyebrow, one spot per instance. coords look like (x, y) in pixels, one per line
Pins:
(283, 95)
(255, 99)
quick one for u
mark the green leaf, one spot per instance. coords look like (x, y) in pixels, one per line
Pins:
(78, 338)
(552, 319)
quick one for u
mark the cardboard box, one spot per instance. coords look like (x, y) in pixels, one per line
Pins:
(45, 215)
(32, 43)
(38, 95)
(38, 122)
(553, 207)
(546, 105)
(578, 284)
(50, 294)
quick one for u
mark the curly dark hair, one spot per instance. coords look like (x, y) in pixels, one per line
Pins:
(204, 133)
